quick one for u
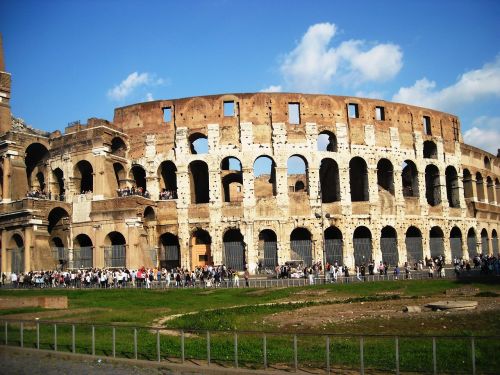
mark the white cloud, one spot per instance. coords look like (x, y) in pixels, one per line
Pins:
(370, 94)
(149, 97)
(313, 65)
(470, 87)
(272, 88)
(132, 82)
(484, 134)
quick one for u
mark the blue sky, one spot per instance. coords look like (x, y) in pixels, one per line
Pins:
(71, 60)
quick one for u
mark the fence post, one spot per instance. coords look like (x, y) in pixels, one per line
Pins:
(158, 350)
(93, 340)
(264, 343)
(37, 335)
(73, 338)
(434, 359)
(135, 343)
(361, 355)
(113, 343)
(236, 350)
(473, 354)
(55, 337)
(396, 339)
(295, 353)
(328, 354)
(208, 348)
(21, 333)
(182, 346)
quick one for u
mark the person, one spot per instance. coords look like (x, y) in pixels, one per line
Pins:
(246, 276)
(13, 278)
(236, 280)
(396, 272)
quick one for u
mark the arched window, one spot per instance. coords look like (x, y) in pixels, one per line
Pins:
(199, 182)
(58, 189)
(389, 246)
(385, 175)
(414, 248)
(16, 249)
(198, 143)
(327, 141)
(201, 254)
(329, 181)
(139, 176)
(82, 252)
(480, 187)
(232, 179)
(409, 178)
(472, 242)
(264, 169)
(120, 178)
(452, 189)
(485, 243)
(168, 180)
(297, 174)
(234, 250)
(467, 181)
(84, 177)
(358, 180)
(115, 250)
(58, 219)
(436, 242)
(494, 242)
(456, 243)
(490, 187)
(118, 147)
(268, 249)
(170, 255)
(333, 246)
(362, 243)
(301, 246)
(432, 185)
(36, 156)
(430, 150)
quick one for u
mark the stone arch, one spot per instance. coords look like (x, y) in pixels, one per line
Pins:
(333, 245)
(301, 246)
(467, 182)
(456, 243)
(487, 162)
(149, 214)
(268, 248)
(409, 178)
(358, 180)
(490, 187)
(58, 188)
(36, 156)
(199, 182)
(327, 141)
(494, 242)
(115, 250)
(485, 245)
(234, 249)
(58, 219)
(452, 188)
(362, 244)
(198, 143)
(430, 150)
(200, 243)
(83, 175)
(120, 175)
(118, 147)
(385, 175)
(432, 185)
(167, 173)
(414, 245)
(471, 242)
(436, 242)
(389, 246)
(170, 253)
(232, 179)
(329, 181)
(264, 169)
(497, 189)
(83, 251)
(479, 186)
(297, 170)
(15, 247)
(138, 173)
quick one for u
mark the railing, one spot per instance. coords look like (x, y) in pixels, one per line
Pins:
(262, 350)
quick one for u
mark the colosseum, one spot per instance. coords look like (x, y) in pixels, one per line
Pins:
(243, 179)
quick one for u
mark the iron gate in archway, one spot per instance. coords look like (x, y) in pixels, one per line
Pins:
(362, 250)
(270, 254)
(456, 247)
(414, 249)
(301, 250)
(334, 251)
(389, 249)
(234, 255)
(169, 257)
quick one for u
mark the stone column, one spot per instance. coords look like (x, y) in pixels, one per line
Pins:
(153, 186)
(6, 179)
(4, 264)
(28, 244)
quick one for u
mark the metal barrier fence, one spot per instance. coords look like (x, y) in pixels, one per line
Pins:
(262, 350)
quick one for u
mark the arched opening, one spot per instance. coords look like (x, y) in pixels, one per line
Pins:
(467, 181)
(436, 242)
(168, 180)
(472, 242)
(494, 242)
(497, 189)
(58, 220)
(432, 185)
(409, 178)
(121, 179)
(232, 179)
(36, 156)
(414, 246)
(362, 243)
(139, 176)
(385, 175)
(487, 163)
(115, 250)
(234, 250)
(297, 174)
(149, 214)
(59, 251)
(479, 186)
(334, 245)
(329, 181)
(430, 150)
(389, 246)
(170, 254)
(83, 252)
(327, 141)
(118, 147)
(198, 143)
(491, 189)
(456, 243)
(485, 245)
(301, 246)
(452, 188)
(264, 169)
(268, 249)
(201, 254)
(16, 250)
(84, 177)
(199, 184)
(58, 187)
(358, 180)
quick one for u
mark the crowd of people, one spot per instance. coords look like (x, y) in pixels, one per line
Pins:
(41, 194)
(168, 194)
(125, 192)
